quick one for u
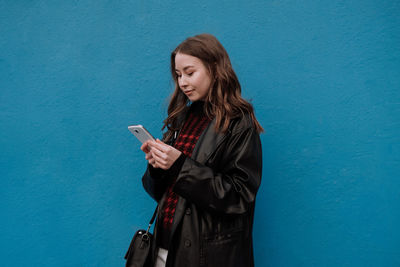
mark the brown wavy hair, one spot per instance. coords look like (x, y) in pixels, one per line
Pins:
(224, 100)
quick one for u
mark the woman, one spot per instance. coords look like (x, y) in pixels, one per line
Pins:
(206, 172)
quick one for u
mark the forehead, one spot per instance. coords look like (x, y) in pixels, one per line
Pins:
(182, 61)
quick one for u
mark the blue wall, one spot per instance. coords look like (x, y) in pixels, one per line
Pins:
(324, 77)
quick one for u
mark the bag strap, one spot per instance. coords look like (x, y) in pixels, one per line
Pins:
(152, 220)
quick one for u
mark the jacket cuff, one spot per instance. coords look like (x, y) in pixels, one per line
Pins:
(173, 171)
(176, 167)
(156, 173)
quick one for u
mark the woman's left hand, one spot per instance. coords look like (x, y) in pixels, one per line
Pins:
(163, 154)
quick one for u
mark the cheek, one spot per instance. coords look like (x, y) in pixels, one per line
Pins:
(207, 82)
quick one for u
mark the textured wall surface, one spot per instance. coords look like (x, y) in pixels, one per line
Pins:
(324, 78)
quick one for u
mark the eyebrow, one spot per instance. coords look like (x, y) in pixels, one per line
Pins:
(185, 68)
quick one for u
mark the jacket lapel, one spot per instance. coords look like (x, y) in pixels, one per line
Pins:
(208, 142)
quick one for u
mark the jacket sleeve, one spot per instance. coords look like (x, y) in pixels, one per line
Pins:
(234, 187)
(156, 180)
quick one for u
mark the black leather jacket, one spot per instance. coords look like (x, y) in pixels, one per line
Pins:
(218, 185)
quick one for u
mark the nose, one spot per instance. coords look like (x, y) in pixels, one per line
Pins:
(183, 82)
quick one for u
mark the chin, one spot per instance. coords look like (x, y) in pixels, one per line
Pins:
(194, 98)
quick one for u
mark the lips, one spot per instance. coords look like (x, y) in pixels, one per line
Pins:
(188, 91)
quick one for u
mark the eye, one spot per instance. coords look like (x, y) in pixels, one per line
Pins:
(190, 74)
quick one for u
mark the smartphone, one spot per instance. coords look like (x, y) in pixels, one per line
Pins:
(141, 133)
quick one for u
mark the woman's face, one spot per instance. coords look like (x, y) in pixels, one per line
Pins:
(193, 77)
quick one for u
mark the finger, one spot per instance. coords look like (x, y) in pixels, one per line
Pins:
(146, 143)
(159, 160)
(145, 147)
(156, 164)
(150, 142)
(160, 154)
(161, 146)
(160, 165)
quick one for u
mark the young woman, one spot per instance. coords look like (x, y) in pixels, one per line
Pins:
(206, 171)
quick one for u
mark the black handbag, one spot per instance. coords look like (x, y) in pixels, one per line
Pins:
(139, 251)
